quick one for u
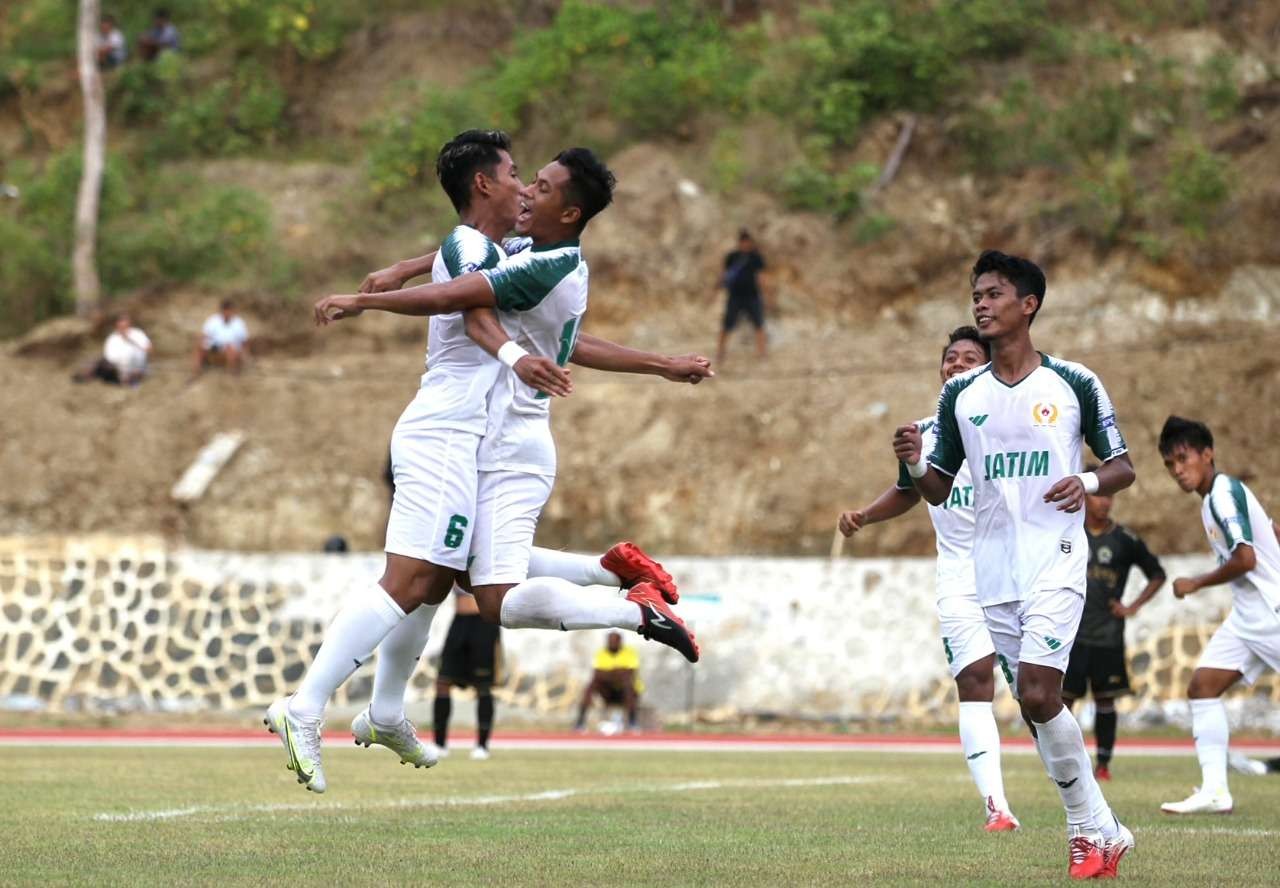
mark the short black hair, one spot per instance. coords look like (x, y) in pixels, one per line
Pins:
(591, 183)
(971, 333)
(1190, 432)
(463, 156)
(743, 234)
(226, 305)
(1026, 277)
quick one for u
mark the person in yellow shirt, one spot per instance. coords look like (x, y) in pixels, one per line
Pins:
(615, 679)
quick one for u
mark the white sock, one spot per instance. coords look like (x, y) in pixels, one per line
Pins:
(553, 603)
(349, 641)
(980, 737)
(1067, 761)
(1209, 727)
(398, 657)
(581, 570)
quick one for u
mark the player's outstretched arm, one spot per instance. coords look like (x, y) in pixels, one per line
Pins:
(545, 375)
(471, 290)
(1243, 559)
(893, 502)
(908, 447)
(396, 275)
(601, 354)
(1113, 476)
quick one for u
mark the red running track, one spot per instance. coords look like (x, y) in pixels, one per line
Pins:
(622, 742)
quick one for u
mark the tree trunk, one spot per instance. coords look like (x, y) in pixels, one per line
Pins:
(83, 257)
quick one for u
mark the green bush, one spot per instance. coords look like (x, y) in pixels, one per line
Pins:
(1197, 186)
(1221, 94)
(154, 229)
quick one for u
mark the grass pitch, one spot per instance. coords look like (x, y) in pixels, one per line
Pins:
(190, 816)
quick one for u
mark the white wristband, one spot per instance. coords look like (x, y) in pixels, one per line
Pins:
(510, 353)
(918, 469)
(1089, 480)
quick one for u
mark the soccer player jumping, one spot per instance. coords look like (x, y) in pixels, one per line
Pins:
(1019, 422)
(1247, 644)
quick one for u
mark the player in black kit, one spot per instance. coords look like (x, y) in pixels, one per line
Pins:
(1097, 658)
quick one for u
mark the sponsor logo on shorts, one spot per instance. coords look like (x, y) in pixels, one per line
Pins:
(946, 646)
(979, 419)
(1051, 643)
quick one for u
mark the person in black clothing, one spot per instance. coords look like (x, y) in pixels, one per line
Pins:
(1097, 658)
(741, 280)
(470, 659)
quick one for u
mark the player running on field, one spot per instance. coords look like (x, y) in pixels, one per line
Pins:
(1247, 644)
(1097, 658)
(434, 451)
(547, 284)
(1019, 422)
(965, 639)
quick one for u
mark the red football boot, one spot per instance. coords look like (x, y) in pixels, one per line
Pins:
(1085, 853)
(633, 566)
(1113, 850)
(660, 622)
(1102, 772)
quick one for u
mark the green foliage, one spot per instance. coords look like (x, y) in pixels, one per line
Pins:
(1197, 186)
(874, 226)
(807, 185)
(1221, 94)
(226, 117)
(648, 71)
(153, 230)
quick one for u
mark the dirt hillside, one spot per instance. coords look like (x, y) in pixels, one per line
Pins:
(761, 459)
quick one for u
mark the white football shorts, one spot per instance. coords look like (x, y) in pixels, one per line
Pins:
(508, 505)
(433, 510)
(1040, 629)
(1251, 657)
(965, 638)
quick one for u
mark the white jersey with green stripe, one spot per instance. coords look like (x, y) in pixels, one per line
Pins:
(953, 520)
(1233, 516)
(1019, 441)
(541, 294)
(454, 390)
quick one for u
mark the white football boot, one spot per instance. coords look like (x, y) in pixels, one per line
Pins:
(301, 740)
(402, 739)
(1201, 802)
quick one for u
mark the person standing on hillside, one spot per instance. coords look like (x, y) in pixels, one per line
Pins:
(1021, 423)
(741, 281)
(1097, 658)
(1247, 644)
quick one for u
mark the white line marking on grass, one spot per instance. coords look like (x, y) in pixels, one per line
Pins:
(242, 812)
(1249, 832)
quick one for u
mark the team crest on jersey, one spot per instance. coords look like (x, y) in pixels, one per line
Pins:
(1064, 546)
(1104, 555)
(1044, 415)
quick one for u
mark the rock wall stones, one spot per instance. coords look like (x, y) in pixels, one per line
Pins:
(110, 623)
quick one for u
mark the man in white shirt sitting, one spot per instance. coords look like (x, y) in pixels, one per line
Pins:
(224, 338)
(124, 356)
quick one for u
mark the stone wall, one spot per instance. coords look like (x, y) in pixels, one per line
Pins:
(109, 624)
